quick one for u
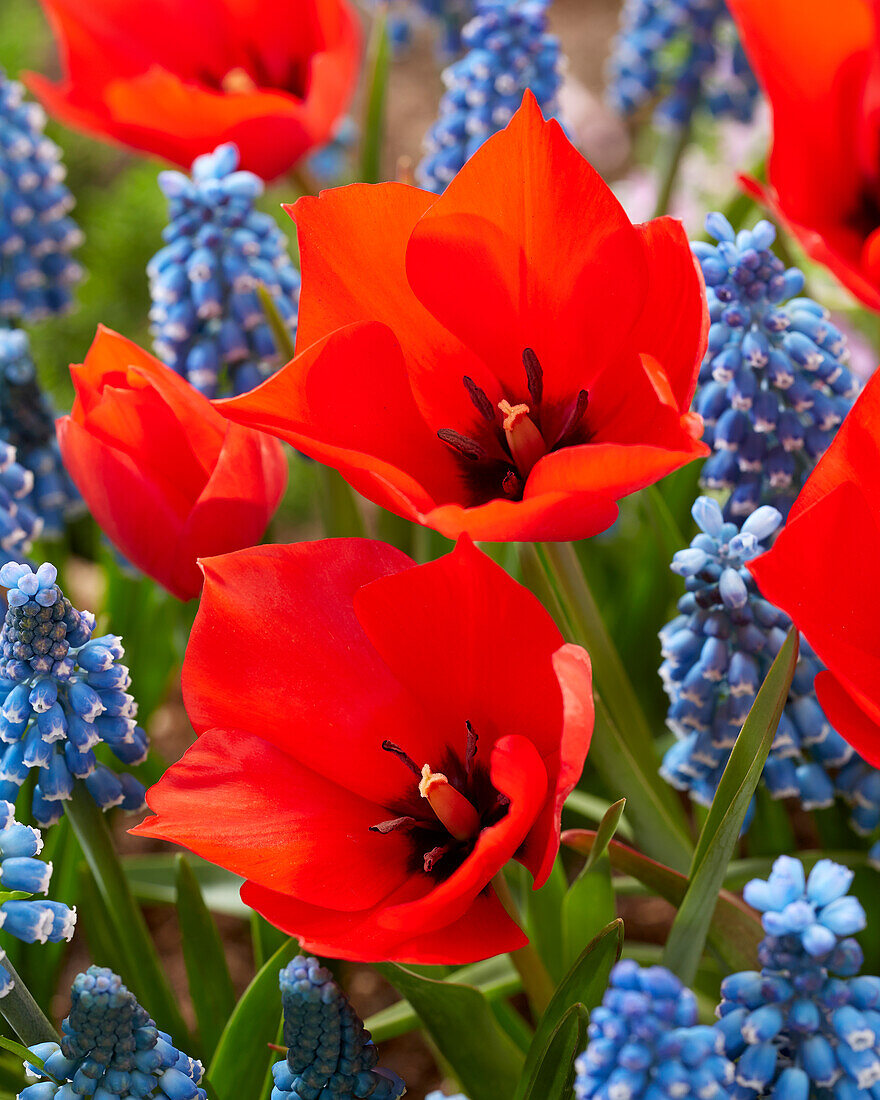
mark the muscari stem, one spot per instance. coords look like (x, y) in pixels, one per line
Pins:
(537, 983)
(146, 977)
(23, 1014)
(674, 154)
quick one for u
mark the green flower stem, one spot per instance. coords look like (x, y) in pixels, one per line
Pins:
(373, 127)
(145, 977)
(23, 1014)
(536, 980)
(673, 155)
(276, 323)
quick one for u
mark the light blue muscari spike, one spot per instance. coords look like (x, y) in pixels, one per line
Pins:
(509, 50)
(807, 1021)
(774, 384)
(19, 523)
(207, 320)
(683, 54)
(329, 1052)
(37, 234)
(27, 422)
(111, 1048)
(645, 1042)
(62, 693)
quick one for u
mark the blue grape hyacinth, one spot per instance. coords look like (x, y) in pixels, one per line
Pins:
(19, 525)
(645, 1042)
(509, 50)
(63, 693)
(717, 653)
(807, 1024)
(685, 54)
(110, 1047)
(22, 871)
(208, 322)
(774, 384)
(37, 234)
(27, 421)
(329, 1052)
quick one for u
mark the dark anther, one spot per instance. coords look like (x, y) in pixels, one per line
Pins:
(391, 826)
(463, 444)
(512, 485)
(389, 746)
(471, 750)
(576, 414)
(479, 398)
(434, 856)
(534, 375)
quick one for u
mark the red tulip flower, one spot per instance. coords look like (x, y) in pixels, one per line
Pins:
(819, 63)
(377, 740)
(823, 570)
(508, 359)
(180, 77)
(167, 478)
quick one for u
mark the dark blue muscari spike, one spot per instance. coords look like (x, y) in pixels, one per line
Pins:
(718, 651)
(111, 1048)
(27, 421)
(774, 384)
(207, 319)
(685, 54)
(63, 692)
(807, 1024)
(448, 17)
(329, 1053)
(645, 1043)
(36, 233)
(509, 50)
(19, 524)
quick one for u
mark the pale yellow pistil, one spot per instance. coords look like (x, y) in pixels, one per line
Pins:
(453, 810)
(523, 437)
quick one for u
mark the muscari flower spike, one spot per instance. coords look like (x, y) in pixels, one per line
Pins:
(27, 421)
(509, 50)
(717, 653)
(208, 322)
(774, 384)
(29, 919)
(63, 692)
(645, 1042)
(447, 16)
(19, 525)
(330, 1054)
(111, 1048)
(684, 53)
(36, 233)
(807, 1024)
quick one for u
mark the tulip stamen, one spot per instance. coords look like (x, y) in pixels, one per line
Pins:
(452, 809)
(463, 445)
(576, 414)
(470, 751)
(389, 746)
(480, 399)
(392, 825)
(523, 436)
(534, 375)
(431, 858)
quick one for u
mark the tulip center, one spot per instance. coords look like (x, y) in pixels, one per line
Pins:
(498, 455)
(443, 812)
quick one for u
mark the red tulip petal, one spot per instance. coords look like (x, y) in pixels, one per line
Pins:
(528, 247)
(674, 324)
(276, 822)
(277, 622)
(136, 518)
(485, 930)
(350, 393)
(855, 718)
(573, 669)
(443, 629)
(516, 771)
(558, 516)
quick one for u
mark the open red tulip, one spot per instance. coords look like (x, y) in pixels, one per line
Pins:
(377, 740)
(508, 359)
(819, 64)
(180, 77)
(165, 476)
(823, 570)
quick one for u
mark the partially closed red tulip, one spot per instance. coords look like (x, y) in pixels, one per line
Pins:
(508, 359)
(377, 740)
(819, 63)
(824, 570)
(166, 477)
(179, 77)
